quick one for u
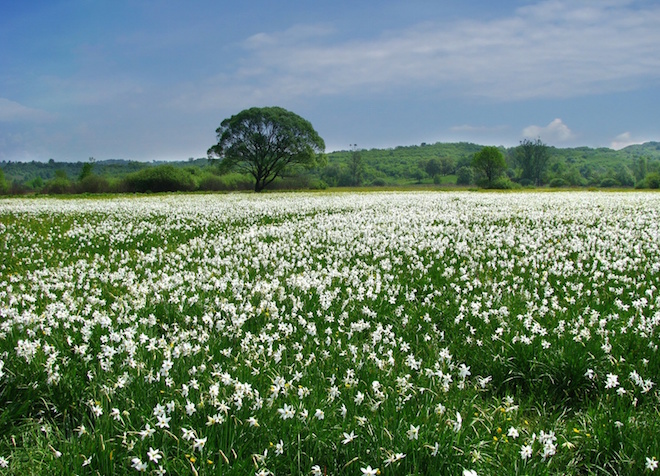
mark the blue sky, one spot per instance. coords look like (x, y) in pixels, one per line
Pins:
(152, 80)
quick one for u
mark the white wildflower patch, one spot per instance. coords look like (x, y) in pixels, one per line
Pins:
(331, 333)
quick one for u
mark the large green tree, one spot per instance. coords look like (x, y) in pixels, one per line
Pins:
(267, 143)
(490, 162)
(533, 158)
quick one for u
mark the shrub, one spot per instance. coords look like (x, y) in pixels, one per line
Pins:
(58, 186)
(503, 183)
(378, 182)
(93, 184)
(652, 180)
(558, 182)
(609, 182)
(464, 176)
(162, 178)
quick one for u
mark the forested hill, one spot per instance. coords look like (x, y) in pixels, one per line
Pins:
(437, 163)
(409, 163)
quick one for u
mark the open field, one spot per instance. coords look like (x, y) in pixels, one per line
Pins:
(340, 334)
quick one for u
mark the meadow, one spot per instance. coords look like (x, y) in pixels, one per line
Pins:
(397, 333)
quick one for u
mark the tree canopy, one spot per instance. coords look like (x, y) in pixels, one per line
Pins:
(490, 162)
(533, 158)
(267, 143)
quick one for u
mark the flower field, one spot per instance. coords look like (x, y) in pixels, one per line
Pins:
(331, 334)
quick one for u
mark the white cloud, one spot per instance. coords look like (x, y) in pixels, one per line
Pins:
(624, 140)
(11, 111)
(470, 128)
(554, 132)
(550, 49)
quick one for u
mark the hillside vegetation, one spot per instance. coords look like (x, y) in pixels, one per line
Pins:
(445, 164)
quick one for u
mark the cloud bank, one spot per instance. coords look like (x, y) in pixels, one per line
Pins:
(553, 49)
(555, 132)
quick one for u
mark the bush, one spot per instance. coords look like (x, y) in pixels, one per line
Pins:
(93, 184)
(503, 183)
(58, 186)
(609, 182)
(558, 182)
(228, 182)
(464, 176)
(378, 182)
(652, 180)
(162, 178)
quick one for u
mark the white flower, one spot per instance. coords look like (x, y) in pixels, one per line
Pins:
(458, 423)
(316, 470)
(188, 434)
(348, 437)
(319, 414)
(279, 448)
(469, 472)
(526, 452)
(513, 433)
(3, 462)
(163, 421)
(651, 463)
(147, 432)
(154, 455)
(139, 465)
(286, 412)
(199, 443)
(393, 458)
(612, 381)
(413, 432)
(369, 471)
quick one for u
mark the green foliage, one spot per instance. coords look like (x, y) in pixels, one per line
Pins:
(503, 183)
(267, 143)
(465, 176)
(4, 187)
(652, 180)
(610, 182)
(533, 158)
(94, 184)
(356, 168)
(59, 185)
(163, 178)
(490, 162)
(86, 171)
(558, 182)
(433, 167)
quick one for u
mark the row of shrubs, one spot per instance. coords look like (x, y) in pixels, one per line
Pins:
(651, 181)
(162, 178)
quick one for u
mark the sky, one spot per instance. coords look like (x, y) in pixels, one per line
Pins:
(153, 79)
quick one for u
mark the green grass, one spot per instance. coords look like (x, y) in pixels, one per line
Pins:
(207, 330)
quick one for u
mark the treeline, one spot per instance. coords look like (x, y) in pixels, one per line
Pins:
(453, 164)
(446, 164)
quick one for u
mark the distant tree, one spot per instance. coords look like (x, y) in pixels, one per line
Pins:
(490, 162)
(86, 171)
(533, 158)
(4, 187)
(267, 143)
(465, 176)
(624, 176)
(433, 167)
(640, 168)
(447, 165)
(59, 184)
(355, 166)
